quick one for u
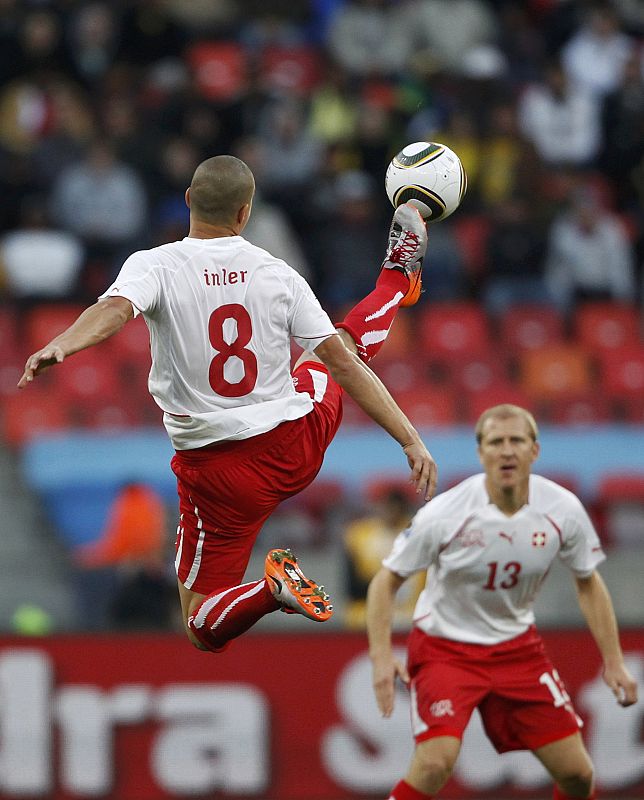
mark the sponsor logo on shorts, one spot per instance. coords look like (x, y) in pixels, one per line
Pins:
(539, 539)
(441, 708)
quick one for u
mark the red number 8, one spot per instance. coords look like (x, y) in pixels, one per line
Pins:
(235, 348)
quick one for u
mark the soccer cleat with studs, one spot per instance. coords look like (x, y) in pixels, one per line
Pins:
(290, 587)
(406, 249)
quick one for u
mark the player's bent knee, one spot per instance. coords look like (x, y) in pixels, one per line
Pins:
(195, 642)
(578, 783)
(435, 765)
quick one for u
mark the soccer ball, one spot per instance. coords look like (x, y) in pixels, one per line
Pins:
(430, 176)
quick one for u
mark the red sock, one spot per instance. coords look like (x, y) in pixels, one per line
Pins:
(559, 795)
(369, 321)
(403, 791)
(223, 615)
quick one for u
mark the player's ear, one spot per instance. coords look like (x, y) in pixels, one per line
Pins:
(187, 197)
(536, 449)
(243, 215)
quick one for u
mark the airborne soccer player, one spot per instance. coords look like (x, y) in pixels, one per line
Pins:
(487, 545)
(248, 433)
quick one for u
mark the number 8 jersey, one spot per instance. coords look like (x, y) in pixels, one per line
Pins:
(221, 314)
(484, 569)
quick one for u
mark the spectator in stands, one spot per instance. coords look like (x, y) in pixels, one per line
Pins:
(515, 252)
(37, 261)
(561, 120)
(623, 124)
(589, 255)
(370, 38)
(350, 235)
(122, 577)
(595, 56)
(367, 541)
(101, 200)
(449, 29)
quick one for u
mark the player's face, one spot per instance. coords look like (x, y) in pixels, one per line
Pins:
(507, 452)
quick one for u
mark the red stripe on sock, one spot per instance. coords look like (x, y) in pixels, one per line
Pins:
(226, 614)
(403, 791)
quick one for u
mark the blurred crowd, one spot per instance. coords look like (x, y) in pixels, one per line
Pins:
(107, 107)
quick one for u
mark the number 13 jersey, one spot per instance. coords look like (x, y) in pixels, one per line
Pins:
(484, 569)
(221, 314)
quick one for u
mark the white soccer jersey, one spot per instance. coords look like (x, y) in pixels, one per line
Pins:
(221, 314)
(485, 568)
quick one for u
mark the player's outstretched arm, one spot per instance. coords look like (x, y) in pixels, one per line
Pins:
(372, 396)
(597, 607)
(96, 323)
(380, 608)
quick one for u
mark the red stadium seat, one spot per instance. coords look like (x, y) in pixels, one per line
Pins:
(46, 321)
(8, 337)
(450, 331)
(290, 69)
(622, 372)
(132, 343)
(471, 233)
(32, 412)
(429, 405)
(377, 487)
(585, 409)
(606, 326)
(555, 371)
(219, 68)
(503, 392)
(86, 375)
(619, 508)
(530, 327)
(479, 373)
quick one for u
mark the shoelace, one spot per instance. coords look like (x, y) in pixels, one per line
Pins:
(406, 248)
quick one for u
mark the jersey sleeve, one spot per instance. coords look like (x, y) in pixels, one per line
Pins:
(310, 324)
(138, 281)
(417, 547)
(581, 549)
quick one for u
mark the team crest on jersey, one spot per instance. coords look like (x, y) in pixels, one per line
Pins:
(470, 538)
(539, 539)
(442, 708)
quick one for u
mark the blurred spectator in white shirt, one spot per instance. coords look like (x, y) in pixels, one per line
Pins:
(589, 254)
(37, 261)
(561, 120)
(450, 30)
(370, 38)
(595, 55)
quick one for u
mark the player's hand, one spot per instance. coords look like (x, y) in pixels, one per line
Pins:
(385, 672)
(424, 472)
(622, 684)
(39, 362)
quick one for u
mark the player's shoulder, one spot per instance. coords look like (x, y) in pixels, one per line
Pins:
(459, 500)
(549, 495)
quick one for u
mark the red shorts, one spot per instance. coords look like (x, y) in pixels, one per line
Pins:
(228, 490)
(520, 696)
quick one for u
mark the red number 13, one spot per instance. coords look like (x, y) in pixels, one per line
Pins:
(236, 348)
(510, 579)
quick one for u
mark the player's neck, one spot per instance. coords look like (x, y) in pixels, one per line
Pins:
(508, 500)
(203, 230)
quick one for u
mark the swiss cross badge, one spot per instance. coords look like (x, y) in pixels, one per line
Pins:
(539, 539)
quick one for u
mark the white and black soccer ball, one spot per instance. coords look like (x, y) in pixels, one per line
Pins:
(430, 176)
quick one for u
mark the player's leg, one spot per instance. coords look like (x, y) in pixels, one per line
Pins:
(570, 766)
(365, 328)
(430, 769)
(225, 497)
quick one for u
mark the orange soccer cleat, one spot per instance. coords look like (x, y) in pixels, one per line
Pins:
(290, 587)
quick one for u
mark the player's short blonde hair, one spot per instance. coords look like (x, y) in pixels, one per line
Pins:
(505, 411)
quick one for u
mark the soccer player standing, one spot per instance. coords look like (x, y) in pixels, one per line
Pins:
(248, 434)
(488, 544)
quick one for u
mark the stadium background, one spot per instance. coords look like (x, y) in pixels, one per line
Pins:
(105, 110)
